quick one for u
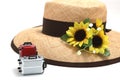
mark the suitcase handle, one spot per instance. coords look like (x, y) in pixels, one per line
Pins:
(27, 43)
(32, 57)
(44, 65)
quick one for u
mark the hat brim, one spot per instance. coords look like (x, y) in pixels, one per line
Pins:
(57, 52)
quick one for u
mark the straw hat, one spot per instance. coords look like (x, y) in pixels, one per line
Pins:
(59, 15)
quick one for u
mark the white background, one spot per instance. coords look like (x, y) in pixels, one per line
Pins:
(17, 15)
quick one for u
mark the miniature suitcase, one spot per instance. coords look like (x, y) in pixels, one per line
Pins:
(32, 65)
(29, 61)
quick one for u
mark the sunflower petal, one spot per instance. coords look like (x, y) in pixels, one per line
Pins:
(73, 42)
(105, 46)
(69, 33)
(80, 43)
(98, 22)
(72, 29)
(81, 24)
(102, 51)
(86, 41)
(76, 25)
(94, 31)
(86, 25)
(70, 39)
(102, 27)
(91, 48)
(101, 33)
(89, 34)
(76, 44)
(97, 50)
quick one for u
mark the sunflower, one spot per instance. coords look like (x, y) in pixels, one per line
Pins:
(79, 34)
(99, 42)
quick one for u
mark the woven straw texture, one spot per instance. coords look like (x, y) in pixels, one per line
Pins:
(75, 10)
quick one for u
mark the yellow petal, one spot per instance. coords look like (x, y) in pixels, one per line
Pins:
(76, 44)
(101, 33)
(69, 33)
(102, 27)
(70, 39)
(76, 25)
(102, 51)
(97, 50)
(80, 44)
(72, 29)
(81, 24)
(94, 31)
(98, 22)
(105, 46)
(91, 48)
(89, 34)
(86, 41)
(105, 41)
(105, 38)
(86, 25)
(73, 42)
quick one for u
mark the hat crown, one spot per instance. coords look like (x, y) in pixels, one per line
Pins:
(75, 10)
(59, 15)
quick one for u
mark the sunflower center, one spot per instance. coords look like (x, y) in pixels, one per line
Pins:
(80, 35)
(97, 41)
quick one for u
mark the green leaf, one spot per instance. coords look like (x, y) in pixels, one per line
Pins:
(89, 43)
(84, 46)
(107, 52)
(64, 37)
(87, 20)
